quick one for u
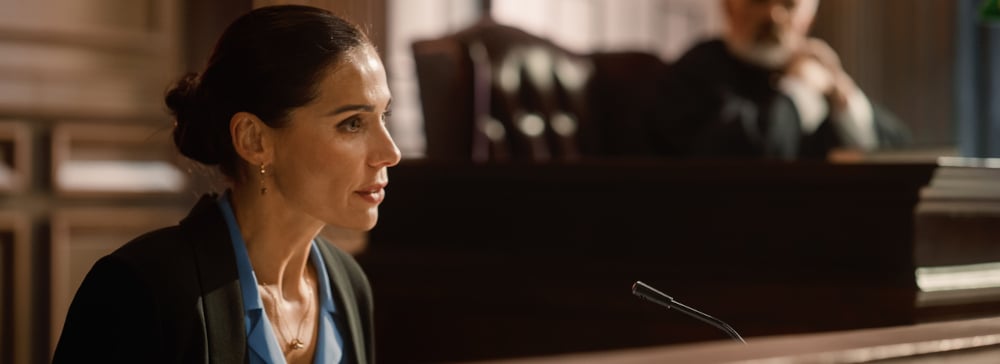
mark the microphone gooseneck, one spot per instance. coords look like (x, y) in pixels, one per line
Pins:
(651, 294)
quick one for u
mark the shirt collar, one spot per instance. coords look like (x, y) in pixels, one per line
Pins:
(260, 339)
(325, 291)
(259, 335)
(248, 280)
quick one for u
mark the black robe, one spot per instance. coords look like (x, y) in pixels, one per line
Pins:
(715, 105)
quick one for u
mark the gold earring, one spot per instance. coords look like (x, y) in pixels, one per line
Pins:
(263, 185)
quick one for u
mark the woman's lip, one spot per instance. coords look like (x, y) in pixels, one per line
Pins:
(373, 187)
(374, 193)
(374, 197)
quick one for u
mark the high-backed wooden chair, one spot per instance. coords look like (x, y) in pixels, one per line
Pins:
(496, 93)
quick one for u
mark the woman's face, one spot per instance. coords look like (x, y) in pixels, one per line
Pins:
(331, 158)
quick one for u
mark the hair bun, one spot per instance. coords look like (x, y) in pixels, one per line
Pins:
(193, 132)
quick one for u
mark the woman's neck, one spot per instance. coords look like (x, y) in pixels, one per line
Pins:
(278, 239)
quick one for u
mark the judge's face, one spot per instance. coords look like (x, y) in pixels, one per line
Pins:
(768, 32)
(331, 159)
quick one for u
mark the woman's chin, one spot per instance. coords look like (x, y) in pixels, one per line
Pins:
(362, 224)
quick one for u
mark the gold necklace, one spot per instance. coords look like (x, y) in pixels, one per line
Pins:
(295, 343)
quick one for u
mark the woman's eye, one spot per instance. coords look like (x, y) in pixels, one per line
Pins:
(352, 125)
(386, 115)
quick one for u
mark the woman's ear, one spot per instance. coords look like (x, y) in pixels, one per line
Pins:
(251, 138)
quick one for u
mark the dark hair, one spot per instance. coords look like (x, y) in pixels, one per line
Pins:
(267, 63)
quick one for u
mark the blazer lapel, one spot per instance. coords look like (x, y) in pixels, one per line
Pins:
(222, 301)
(345, 299)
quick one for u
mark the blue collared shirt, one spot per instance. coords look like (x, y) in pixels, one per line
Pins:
(263, 344)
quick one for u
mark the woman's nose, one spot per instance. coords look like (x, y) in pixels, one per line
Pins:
(384, 151)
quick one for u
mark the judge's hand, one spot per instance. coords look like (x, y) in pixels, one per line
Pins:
(818, 66)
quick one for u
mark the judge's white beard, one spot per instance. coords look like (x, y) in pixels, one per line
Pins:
(771, 56)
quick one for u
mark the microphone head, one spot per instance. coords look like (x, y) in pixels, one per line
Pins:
(645, 291)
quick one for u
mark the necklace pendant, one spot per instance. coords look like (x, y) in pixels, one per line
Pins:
(295, 344)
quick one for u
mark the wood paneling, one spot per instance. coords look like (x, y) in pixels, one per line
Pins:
(15, 288)
(902, 54)
(88, 63)
(15, 156)
(90, 58)
(204, 22)
(91, 159)
(81, 236)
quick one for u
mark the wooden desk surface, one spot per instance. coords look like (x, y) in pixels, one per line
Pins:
(966, 342)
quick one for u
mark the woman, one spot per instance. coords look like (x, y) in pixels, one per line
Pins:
(292, 108)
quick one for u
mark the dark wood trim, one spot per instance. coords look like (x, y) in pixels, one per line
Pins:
(15, 329)
(16, 144)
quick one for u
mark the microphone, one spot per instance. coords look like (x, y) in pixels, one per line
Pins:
(648, 293)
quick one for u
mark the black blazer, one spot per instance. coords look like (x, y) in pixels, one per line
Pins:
(173, 296)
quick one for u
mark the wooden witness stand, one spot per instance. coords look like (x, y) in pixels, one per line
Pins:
(478, 262)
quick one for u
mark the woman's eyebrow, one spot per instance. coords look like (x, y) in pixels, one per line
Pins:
(352, 107)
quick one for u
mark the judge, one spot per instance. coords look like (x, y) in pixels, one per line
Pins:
(766, 89)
